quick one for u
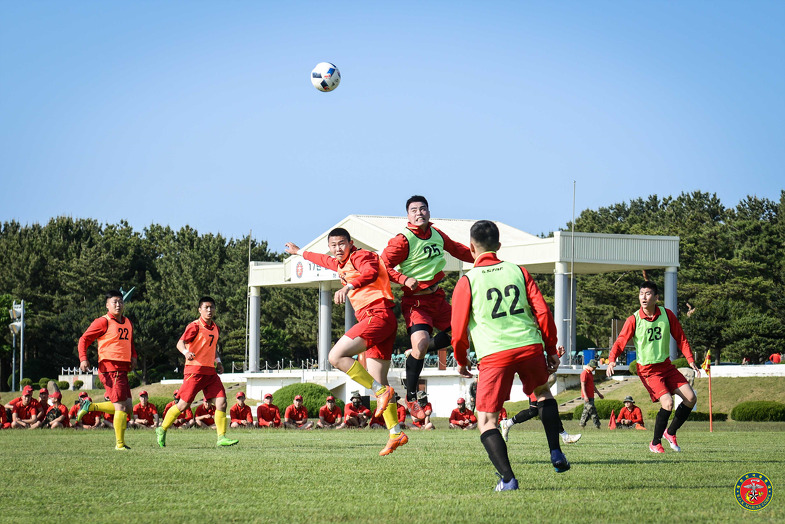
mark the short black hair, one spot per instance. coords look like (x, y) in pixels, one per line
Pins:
(113, 293)
(416, 198)
(485, 234)
(204, 299)
(340, 232)
(648, 284)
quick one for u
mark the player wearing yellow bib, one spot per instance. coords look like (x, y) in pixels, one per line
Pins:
(198, 345)
(500, 305)
(651, 328)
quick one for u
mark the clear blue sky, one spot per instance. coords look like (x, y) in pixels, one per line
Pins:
(203, 113)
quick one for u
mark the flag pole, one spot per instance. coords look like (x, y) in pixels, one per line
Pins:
(711, 422)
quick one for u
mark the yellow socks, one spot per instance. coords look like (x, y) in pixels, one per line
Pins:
(120, 421)
(390, 415)
(358, 373)
(170, 417)
(220, 422)
(103, 407)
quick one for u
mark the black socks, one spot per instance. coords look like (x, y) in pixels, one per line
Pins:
(497, 452)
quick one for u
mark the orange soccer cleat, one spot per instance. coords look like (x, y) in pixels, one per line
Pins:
(394, 443)
(383, 399)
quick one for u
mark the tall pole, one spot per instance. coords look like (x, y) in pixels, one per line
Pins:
(13, 364)
(572, 273)
(22, 345)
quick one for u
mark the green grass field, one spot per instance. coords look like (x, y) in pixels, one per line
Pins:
(440, 476)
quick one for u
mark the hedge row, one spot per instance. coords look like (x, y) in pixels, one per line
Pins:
(759, 411)
(604, 408)
(695, 416)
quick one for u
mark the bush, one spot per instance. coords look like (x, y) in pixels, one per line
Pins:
(759, 411)
(78, 384)
(160, 403)
(681, 363)
(314, 396)
(634, 367)
(567, 415)
(26, 382)
(43, 382)
(604, 408)
(134, 380)
(64, 385)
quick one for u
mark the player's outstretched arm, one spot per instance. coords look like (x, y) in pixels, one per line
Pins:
(292, 248)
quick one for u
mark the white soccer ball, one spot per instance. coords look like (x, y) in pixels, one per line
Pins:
(325, 76)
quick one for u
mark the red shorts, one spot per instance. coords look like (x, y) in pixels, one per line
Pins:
(494, 384)
(116, 385)
(196, 382)
(432, 310)
(661, 378)
(378, 328)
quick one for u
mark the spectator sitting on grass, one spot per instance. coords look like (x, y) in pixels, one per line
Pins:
(57, 415)
(462, 418)
(267, 414)
(204, 417)
(355, 414)
(43, 405)
(330, 415)
(630, 416)
(145, 414)
(25, 414)
(427, 410)
(296, 415)
(240, 414)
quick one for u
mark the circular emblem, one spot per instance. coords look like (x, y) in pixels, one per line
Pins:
(754, 491)
(298, 270)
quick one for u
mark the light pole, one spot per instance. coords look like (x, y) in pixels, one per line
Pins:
(18, 326)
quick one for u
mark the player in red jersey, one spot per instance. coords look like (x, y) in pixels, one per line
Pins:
(25, 412)
(512, 328)
(330, 416)
(296, 415)
(462, 418)
(426, 410)
(116, 357)
(367, 286)
(198, 345)
(204, 416)
(419, 254)
(57, 414)
(651, 328)
(240, 414)
(356, 415)
(145, 414)
(267, 414)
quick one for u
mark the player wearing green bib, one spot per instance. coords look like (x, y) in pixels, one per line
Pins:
(651, 329)
(419, 254)
(512, 328)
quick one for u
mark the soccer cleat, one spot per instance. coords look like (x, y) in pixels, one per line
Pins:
(416, 410)
(559, 461)
(160, 434)
(570, 439)
(505, 426)
(656, 449)
(121, 448)
(671, 440)
(223, 441)
(84, 407)
(394, 443)
(507, 486)
(383, 399)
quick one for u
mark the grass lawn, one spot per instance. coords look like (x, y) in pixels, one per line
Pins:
(337, 476)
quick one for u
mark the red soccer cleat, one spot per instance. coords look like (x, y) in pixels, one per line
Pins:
(671, 440)
(394, 443)
(656, 449)
(383, 399)
(416, 410)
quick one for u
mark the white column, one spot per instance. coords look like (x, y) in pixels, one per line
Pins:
(561, 301)
(325, 324)
(671, 303)
(254, 328)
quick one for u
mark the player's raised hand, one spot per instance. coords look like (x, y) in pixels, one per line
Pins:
(609, 371)
(292, 248)
(84, 365)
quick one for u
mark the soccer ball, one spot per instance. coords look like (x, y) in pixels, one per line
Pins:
(325, 76)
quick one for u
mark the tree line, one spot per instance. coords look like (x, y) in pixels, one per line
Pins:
(730, 284)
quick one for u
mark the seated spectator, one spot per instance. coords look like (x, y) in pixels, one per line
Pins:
(145, 414)
(462, 418)
(42, 405)
(57, 415)
(240, 414)
(423, 423)
(4, 424)
(27, 389)
(296, 415)
(356, 415)
(775, 358)
(25, 413)
(330, 415)
(204, 417)
(186, 418)
(267, 414)
(630, 416)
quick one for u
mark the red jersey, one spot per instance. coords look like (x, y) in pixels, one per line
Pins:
(427, 409)
(121, 330)
(146, 413)
(377, 420)
(775, 358)
(457, 416)
(350, 411)
(210, 410)
(202, 340)
(61, 410)
(628, 331)
(240, 413)
(26, 412)
(402, 411)
(268, 415)
(296, 415)
(587, 377)
(397, 251)
(330, 416)
(635, 415)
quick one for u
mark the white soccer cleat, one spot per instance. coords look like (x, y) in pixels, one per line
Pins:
(505, 426)
(570, 439)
